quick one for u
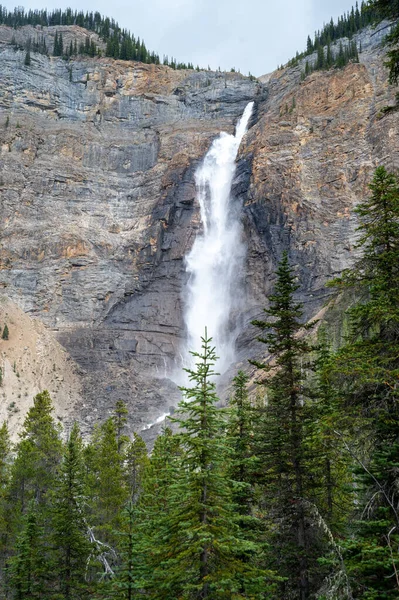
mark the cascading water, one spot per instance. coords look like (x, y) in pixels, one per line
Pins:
(216, 257)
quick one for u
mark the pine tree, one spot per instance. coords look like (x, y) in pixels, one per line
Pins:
(320, 62)
(371, 349)
(107, 489)
(120, 419)
(239, 432)
(151, 508)
(131, 575)
(69, 527)
(283, 464)
(135, 466)
(5, 460)
(333, 490)
(390, 9)
(341, 61)
(28, 570)
(38, 454)
(367, 368)
(5, 334)
(329, 58)
(27, 58)
(201, 556)
(56, 49)
(33, 476)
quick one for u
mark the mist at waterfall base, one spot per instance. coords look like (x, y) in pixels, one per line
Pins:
(214, 293)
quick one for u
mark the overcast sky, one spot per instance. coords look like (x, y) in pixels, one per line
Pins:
(251, 35)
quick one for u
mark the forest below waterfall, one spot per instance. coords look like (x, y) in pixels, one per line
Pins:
(291, 492)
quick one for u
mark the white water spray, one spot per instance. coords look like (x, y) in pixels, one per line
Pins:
(215, 261)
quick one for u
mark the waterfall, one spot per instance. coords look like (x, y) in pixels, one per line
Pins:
(215, 260)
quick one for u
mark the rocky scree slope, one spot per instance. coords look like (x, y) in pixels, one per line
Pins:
(98, 199)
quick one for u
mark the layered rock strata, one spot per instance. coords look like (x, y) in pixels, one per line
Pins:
(98, 199)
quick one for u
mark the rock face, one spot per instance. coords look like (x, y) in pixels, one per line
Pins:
(98, 199)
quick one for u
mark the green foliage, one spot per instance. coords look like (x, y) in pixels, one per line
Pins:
(345, 27)
(38, 455)
(284, 463)
(107, 489)
(27, 568)
(120, 43)
(136, 465)
(367, 370)
(5, 466)
(327, 58)
(69, 523)
(390, 9)
(6, 333)
(201, 551)
(369, 360)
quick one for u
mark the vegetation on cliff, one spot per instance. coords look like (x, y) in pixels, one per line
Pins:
(346, 27)
(369, 13)
(293, 494)
(390, 9)
(120, 43)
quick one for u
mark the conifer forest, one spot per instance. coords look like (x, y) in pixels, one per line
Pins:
(287, 490)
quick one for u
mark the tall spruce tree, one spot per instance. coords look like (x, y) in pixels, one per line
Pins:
(283, 464)
(240, 440)
(132, 574)
(107, 489)
(28, 570)
(69, 527)
(38, 455)
(202, 551)
(135, 466)
(367, 368)
(5, 507)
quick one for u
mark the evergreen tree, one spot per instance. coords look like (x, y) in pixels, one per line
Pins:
(341, 60)
(107, 489)
(367, 368)
(69, 527)
(283, 464)
(136, 465)
(329, 58)
(371, 349)
(333, 490)
(390, 9)
(152, 480)
(201, 556)
(120, 419)
(5, 334)
(28, 571)
(131, 575)
(56, 49)
(5, 460)
(38, 454)
(33, 475)
(240, 439)
(27, 58)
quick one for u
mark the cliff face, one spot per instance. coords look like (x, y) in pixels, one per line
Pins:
(97, 199)
(308, 161)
